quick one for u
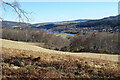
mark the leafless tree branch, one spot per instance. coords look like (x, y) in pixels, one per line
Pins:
(15, 5)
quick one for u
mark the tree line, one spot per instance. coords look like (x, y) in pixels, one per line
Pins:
(99, 42)
(35, 35)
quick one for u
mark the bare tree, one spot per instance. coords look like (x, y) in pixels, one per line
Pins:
(14, 4)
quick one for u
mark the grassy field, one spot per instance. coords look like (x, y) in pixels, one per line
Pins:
(27, 61)
(63, 35)
(34, 47)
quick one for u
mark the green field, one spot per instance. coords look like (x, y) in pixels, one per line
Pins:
(62, 35)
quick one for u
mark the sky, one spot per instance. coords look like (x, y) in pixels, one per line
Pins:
(40, 12)
(65, 0)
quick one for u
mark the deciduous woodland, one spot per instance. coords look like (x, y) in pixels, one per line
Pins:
(98, 42)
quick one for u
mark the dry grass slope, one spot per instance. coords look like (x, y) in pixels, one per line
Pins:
(25, 61)
(32, 47)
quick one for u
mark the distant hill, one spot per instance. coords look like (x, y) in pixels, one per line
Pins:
(111, 17)
(107, 21)
(12, 24)
(112, 20)
(49, 25)
(44, 26)
(108, 24)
